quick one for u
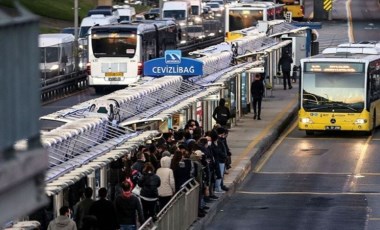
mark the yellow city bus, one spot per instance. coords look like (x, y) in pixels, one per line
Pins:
(340, 89)
(296, 7)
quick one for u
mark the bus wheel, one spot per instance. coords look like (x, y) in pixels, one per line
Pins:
(309, 132)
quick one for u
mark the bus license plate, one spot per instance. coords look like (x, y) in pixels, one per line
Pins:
(114, 79)
(114, 74)
(332, 127)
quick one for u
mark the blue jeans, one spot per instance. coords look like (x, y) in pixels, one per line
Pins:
(127, 227)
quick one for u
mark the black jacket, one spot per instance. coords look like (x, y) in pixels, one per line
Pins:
(221, 115)
(285, 63)
(126, 210)
(149, 184)
(257, 89)
(105, 214)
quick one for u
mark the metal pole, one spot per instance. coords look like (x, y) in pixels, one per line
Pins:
(76, 20)
(76, 34)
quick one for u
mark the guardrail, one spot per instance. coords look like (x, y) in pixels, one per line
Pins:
(180, 212)
(61, 85)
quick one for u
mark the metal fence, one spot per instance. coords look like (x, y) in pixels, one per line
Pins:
(21, 166)
(180, 212)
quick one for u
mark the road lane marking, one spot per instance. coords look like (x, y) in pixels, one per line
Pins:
(362, 155)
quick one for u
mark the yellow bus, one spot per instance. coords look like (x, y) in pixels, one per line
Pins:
(296, 7)
(340, 89)
(244, 15)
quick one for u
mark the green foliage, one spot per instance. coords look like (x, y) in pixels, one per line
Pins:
(56, 9)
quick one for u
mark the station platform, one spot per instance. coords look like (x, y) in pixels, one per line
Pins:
(248, 139)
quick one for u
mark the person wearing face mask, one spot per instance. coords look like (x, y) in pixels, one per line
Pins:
(220, 155)
(209, 169)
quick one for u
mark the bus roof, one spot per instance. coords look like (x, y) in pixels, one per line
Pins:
(258, 5)
(140, 26)
(46, 40)
(354, 52)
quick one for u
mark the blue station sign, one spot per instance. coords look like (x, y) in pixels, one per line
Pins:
(173, 64)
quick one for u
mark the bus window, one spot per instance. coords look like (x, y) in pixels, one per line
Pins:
(241, 19)
(122, 44)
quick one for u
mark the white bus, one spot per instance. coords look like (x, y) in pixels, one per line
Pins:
(340, 89)
(117, 52)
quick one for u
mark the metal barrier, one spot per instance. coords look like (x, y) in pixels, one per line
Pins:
(180, 212)
(19, 93)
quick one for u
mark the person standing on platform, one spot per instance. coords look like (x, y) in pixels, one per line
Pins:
(221, 113)
(128, 208)
(83, 207)
(284, 65)
(63, 221)
(104, 211)
(257, 92)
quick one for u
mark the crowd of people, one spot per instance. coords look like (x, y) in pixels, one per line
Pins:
(142, 183)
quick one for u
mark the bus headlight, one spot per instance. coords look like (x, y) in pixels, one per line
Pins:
(360, 121)
(306, 120)
(54, 67)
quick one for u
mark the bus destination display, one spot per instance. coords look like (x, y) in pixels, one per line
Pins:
(334, 67)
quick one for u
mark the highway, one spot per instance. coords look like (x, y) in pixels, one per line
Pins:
(327, 181)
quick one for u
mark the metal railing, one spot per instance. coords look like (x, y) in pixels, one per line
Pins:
(180, 212)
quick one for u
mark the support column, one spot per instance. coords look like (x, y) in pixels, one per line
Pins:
(92, 183)
(57, 203)
(103, 177)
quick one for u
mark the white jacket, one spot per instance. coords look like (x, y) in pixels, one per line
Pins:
(166, 175)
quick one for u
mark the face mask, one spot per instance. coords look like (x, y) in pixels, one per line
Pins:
(209, 143)
(191, 131)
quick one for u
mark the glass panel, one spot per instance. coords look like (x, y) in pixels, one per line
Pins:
(114, 43)
(241, 19)
(333, 92)
(49, 54)
(177, 14)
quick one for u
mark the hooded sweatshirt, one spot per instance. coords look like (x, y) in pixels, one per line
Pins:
(62, 223)
(166, 175)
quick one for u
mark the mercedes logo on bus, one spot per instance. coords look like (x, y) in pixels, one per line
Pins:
(333, 121)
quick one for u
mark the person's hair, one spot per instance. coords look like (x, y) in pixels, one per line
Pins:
(202, 141)
(214, 136)
(140, 155)
(222, 102)
(257, 75)
(88, 192)
(148, 167)
(126, 186)
(152, 148)
(63, 210)
(102, 192)
(220, 130)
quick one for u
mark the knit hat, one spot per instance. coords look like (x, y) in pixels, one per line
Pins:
(166, 153)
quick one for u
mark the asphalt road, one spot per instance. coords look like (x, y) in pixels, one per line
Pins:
(323, 182)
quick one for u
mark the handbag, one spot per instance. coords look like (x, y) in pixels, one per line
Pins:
(136, 190)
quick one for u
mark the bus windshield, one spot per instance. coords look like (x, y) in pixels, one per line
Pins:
(49, 54)
(176, 14)
(241, 19)
(113, 43)
(333, 92)
(83, 31)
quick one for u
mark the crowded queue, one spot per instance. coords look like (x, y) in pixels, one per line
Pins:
(145, 181)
